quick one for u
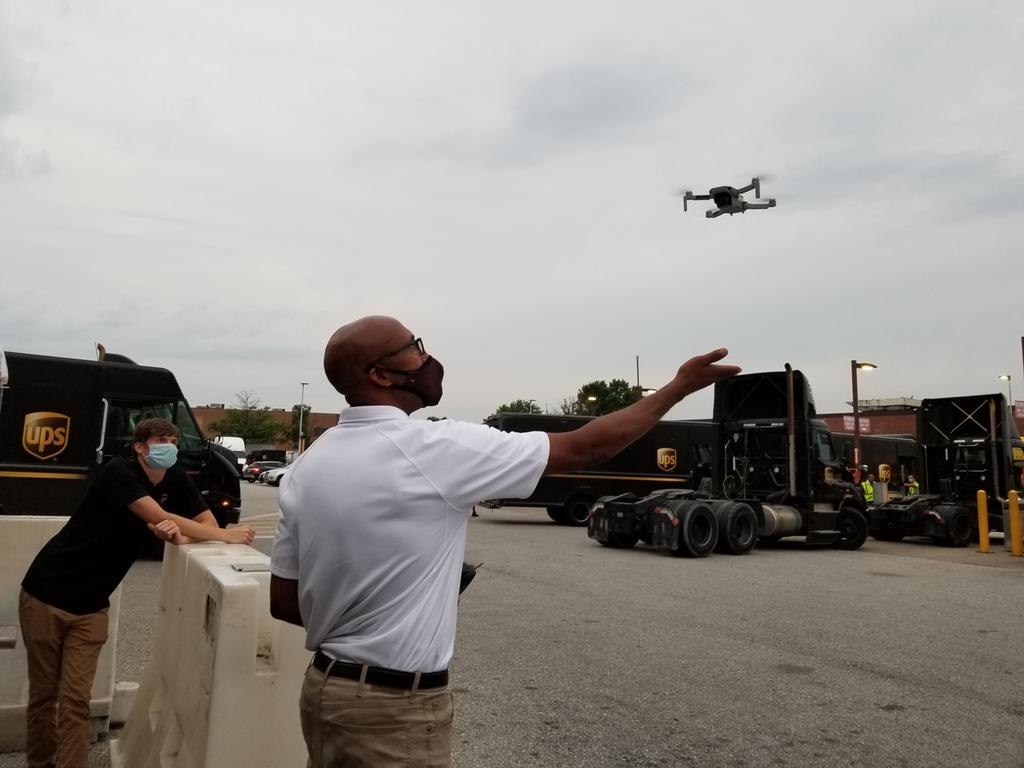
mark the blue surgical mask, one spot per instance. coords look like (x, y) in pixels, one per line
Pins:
(162, 455)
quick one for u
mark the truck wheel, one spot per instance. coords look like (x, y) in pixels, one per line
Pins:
(958, 528)
(576, 511)
(737, 528)
(557, 514)
(698, 531)
(853, 528)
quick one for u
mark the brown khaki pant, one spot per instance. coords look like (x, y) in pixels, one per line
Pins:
(347, 724)
(63, 650)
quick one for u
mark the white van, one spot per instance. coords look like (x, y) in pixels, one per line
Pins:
(234, 444)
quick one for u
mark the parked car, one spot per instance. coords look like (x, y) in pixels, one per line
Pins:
(273, 476)
(252, 471)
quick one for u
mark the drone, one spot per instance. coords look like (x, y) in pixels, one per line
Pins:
(730, 200)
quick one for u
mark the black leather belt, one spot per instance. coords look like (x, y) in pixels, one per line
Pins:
(391, 678)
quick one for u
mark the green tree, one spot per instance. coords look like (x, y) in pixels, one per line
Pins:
(290, 433)
(519, 406)
(597, 398)
(249, 420)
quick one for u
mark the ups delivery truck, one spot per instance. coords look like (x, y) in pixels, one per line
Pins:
(62, 419)
(674, 454)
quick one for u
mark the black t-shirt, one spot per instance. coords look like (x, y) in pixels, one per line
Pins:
(79, 568)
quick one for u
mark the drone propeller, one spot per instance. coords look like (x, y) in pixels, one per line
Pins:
(685, 193)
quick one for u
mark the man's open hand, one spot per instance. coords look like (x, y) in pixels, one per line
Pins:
(703, 370)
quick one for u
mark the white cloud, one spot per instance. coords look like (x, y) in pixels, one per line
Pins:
(225, 183)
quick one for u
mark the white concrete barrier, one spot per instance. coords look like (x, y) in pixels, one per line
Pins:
(21, 538)
(222, 686)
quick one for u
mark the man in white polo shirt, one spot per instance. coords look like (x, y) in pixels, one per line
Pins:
(369, 548)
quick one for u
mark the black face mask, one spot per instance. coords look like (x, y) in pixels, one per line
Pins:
(424, 382)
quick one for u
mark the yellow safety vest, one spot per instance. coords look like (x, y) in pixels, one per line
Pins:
(914, 488)
(869, 491)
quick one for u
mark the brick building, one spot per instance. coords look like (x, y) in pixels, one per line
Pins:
(206, 415)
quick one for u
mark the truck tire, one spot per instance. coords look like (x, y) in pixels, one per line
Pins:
(959, 526)
(698, 530)
(737, 528)
(853, 528)
(576, 511)
(557, 514)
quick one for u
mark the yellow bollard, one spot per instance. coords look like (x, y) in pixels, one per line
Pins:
(1016, 545)
(982, 522)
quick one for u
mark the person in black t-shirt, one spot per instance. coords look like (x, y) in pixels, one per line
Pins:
(65, 594)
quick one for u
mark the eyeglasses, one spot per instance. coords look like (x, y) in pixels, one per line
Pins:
(416, 343)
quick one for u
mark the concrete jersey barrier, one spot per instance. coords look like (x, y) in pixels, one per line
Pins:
(222, 685)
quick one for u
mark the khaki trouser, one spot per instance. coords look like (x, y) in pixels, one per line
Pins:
(347, 724)
(63, 650)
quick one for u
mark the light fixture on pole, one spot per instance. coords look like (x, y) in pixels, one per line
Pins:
(854, 367)
(302, 409)
(1009, 388)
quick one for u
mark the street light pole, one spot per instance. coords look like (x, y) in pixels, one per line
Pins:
(302, 410)
(854, 367)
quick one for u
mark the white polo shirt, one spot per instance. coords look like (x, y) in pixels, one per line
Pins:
(373, 527)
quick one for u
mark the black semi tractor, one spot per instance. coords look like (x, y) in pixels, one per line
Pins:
(674, 454)
(774, 475)
(968, 443)
(62, 419)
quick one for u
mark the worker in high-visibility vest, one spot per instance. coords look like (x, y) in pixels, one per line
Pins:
(913, 487)
(868, 486)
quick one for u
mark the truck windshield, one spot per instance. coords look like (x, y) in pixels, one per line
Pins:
(190, 438)
(971, 458)
(123, 417)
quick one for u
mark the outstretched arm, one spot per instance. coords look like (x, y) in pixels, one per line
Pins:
(604, 437)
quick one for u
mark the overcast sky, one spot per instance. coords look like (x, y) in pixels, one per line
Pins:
(215, 186)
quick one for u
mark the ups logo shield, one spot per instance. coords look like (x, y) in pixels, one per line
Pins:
(667, 460)
(45, 434)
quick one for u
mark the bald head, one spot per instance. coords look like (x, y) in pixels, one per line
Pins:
(354, 346)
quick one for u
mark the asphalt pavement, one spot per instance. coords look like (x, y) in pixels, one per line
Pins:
(571, 654)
